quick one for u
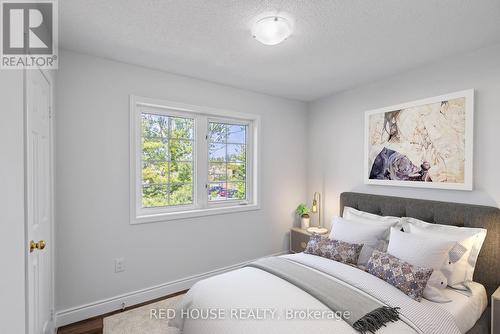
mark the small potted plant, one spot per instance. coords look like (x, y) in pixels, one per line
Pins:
(303, 212)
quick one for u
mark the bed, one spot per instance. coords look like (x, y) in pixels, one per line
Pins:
(261, 302)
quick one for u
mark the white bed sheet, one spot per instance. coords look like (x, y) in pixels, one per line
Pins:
(465, 309)
(253, 288)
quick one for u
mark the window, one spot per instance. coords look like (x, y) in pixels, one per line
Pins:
(189, 161)
(167, 160)
(227, 161)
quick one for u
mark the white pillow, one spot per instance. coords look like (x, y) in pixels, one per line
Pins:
(459, 269)
(366, 217)
(423, 252)
(456, 266)
(352, 231)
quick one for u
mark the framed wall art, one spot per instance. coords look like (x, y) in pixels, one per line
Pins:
(426, 143)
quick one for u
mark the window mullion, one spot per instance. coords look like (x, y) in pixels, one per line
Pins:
(201, 161)
(226, 159)
(250, 186)
(169, 164)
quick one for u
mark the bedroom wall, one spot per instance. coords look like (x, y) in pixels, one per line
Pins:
(92, 184)
(336, 129)
(12, 225)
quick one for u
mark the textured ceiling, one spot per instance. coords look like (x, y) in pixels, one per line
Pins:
(337, 44)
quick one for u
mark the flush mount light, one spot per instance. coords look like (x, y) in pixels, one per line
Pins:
(271, 30)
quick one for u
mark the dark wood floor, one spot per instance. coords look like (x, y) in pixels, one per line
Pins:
(94, 325)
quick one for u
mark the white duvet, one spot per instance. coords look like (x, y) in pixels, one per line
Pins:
(252, 301)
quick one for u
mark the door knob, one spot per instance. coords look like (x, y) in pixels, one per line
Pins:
(36, 245)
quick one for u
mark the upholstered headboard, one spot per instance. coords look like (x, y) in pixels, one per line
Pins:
(487, 270)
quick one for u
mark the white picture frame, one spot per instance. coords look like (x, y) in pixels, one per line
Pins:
(373, 172)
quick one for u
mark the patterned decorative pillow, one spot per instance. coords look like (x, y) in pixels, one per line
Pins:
(336, 250)
(400, 274)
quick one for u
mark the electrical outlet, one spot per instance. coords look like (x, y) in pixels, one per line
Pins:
(119, 265)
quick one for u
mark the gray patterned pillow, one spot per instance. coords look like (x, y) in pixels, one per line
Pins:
(333, 249)
(406, 277)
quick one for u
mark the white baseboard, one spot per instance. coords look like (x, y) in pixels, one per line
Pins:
(82, 312)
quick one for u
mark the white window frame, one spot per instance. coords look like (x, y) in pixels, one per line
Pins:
(201, 206)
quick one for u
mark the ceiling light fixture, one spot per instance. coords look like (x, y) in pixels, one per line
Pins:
(271, 30)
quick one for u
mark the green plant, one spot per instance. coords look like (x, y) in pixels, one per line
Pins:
(302, 210)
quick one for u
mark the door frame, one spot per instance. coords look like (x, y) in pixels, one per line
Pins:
(49, 76)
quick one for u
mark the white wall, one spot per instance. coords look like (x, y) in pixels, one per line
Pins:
(336, 129)
(12, 244)
(92, 183)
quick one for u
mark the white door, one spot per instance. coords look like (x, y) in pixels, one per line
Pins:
(39, 202)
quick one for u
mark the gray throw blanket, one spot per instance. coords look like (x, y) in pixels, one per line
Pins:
(366, 313)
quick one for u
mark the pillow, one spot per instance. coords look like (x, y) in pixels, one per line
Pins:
(408, 278)
(423, 252)
(459, 269)
(456, 267)
(352, 231)
(366, 217)
(353, 214)
(333, 249)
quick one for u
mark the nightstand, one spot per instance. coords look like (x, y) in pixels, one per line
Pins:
(299, 239)
(495, 312)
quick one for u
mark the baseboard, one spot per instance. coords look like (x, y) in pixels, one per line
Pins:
(82, 312)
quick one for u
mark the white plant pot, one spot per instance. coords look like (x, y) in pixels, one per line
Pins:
(304, 223)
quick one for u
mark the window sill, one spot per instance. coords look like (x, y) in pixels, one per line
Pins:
(162, 217)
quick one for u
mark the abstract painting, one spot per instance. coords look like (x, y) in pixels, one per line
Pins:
(425, 143)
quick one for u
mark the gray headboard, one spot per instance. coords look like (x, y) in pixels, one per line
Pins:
(487, 270)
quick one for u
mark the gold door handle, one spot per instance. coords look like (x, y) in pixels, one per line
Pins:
(36, 245)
